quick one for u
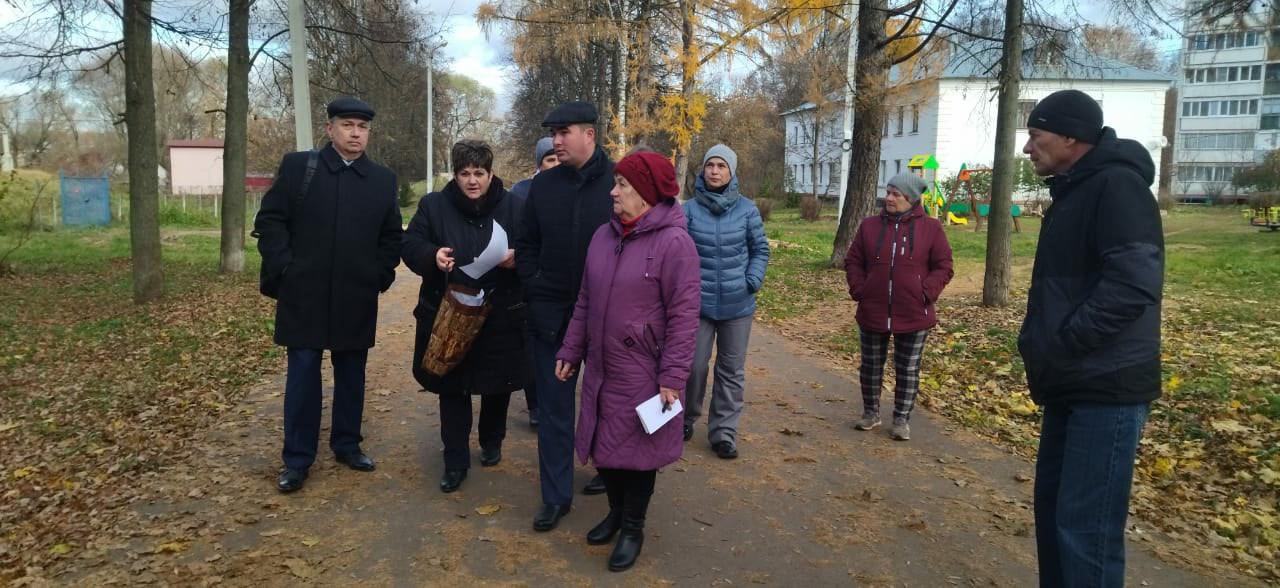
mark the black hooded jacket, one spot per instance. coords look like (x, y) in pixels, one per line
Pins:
(1092, 329)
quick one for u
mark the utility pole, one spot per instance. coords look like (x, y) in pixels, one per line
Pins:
(301, 77)
(846, 145)
(431, 116)
(6, 161)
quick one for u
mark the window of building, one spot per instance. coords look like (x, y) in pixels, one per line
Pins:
(897, 166)
(1024, 112)
(1217, 41)
(915, 118)
(1219, 107)
(886, 127)
(902, 115)
(1240, 141)
(882, 168)
(1209, 172)
(832, 173)
(1270, 114)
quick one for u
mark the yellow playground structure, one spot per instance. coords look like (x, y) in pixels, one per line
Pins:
(962, 204)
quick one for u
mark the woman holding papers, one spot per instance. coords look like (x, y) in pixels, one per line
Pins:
(635, 324)
(460, 235)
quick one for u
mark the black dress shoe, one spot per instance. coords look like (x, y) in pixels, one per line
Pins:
(491, 456)
(451, 480)
(688, 432)
(725, 450)
(595, 486)
(290, 480)
(533, 417)
(549, 516)
(356, 460)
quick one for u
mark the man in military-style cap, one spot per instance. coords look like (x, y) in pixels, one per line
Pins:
(566, 205)
(329, 234)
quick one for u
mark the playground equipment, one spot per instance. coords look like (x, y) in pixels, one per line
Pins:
(1265, 217)
(978, 206)
(925, 166)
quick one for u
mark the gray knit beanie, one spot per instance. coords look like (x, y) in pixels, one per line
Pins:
(723, 152)
(543, 147)
(910, 185)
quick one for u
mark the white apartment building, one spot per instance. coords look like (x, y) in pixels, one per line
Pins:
(1229, 103)
(953, 115)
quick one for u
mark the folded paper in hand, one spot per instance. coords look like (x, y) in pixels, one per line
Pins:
(491, 256)
(468, 299)
(652, 416)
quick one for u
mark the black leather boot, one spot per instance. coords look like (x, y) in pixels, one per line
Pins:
(604, 532)
(631, 538)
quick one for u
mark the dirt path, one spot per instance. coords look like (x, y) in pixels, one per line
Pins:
(810, 500)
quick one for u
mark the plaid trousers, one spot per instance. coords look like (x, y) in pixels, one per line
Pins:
(907, 350)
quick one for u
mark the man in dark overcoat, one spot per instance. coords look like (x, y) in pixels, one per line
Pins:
(566, 205)
(329, 233)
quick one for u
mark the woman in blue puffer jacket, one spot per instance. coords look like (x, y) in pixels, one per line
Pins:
(727, 229)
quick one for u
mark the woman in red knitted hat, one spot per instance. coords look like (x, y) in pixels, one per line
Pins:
(636, 320)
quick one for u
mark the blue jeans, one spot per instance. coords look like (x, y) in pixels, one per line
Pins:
(302, 399)
(1083, 473)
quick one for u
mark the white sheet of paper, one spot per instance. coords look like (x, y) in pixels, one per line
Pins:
(468, 299)
(651, 415)
(491, 256)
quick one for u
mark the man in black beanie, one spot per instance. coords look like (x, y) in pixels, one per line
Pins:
(1091, 337)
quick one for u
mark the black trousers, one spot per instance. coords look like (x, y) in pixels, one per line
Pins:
(629, 490)
(302, 400)
(455, 426)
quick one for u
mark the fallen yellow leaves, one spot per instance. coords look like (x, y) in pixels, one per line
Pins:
(488, 509)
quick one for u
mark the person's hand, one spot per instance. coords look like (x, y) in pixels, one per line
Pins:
(509, 260)
(669, 396)
(444, 259)
(564, 370)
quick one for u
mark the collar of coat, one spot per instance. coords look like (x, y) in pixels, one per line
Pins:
(594, 168)
(916, 211)
(335, 163)
(667, 213)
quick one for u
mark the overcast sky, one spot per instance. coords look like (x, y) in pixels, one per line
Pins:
(470, 53)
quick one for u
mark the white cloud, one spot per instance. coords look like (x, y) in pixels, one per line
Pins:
(471, 54)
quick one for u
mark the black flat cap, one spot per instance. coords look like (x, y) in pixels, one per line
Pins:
(348, 107)
(571, 113)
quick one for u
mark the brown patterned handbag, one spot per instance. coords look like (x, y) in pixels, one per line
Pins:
(456, 327)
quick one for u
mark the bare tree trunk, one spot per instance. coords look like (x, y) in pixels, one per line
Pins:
(995, 284)
(144, 190)
(687, 82)
(235, 142)
(813, 169)
(869, 94)
(1169, 127)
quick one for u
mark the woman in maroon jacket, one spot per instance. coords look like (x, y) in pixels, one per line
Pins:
(897, 266)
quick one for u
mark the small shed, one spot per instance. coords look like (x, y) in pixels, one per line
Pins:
(195, 166)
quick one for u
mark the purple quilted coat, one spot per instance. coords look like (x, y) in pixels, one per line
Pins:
(636, 326)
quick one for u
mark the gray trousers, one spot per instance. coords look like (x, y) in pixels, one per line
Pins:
(730, 377)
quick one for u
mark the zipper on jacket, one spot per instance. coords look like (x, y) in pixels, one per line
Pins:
(719, 272)
(893, 255)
